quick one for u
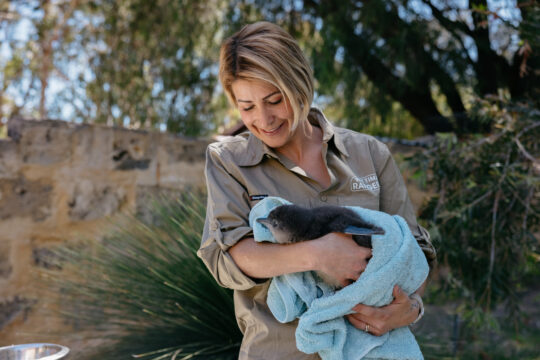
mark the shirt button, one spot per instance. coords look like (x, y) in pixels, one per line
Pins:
(214, 225)
(323, 198)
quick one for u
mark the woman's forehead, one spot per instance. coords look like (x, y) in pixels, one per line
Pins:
(251, 90)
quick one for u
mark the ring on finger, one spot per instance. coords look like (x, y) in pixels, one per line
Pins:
(367, 328)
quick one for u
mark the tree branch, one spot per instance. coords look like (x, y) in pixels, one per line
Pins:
(493, 229)
(525, 152)
(491, 69)
(412, 92)
(448, 24)
(452, 27)
(417, 101)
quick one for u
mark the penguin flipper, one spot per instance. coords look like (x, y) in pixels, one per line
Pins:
(355, 230)
(361, 235)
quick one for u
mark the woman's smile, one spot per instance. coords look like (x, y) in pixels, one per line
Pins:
(273, 131)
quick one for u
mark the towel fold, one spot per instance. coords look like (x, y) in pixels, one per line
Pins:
(397, 259)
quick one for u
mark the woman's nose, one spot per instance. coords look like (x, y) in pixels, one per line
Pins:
(265, 117)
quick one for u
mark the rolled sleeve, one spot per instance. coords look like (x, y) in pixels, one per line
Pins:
(226, 222)
(395, 199)
(424, 240)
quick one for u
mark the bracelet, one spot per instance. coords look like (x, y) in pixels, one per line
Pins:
(417, 297)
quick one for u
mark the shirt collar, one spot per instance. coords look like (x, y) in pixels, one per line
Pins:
(256, 149)
(316, 117)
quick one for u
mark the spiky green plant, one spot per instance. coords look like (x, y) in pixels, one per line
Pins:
(145, 291)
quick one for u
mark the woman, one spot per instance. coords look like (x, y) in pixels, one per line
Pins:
(293, 152)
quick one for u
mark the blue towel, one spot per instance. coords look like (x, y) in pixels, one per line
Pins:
(397, 259)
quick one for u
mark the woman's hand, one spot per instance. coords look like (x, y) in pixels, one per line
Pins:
(340, 257)
(402, 311)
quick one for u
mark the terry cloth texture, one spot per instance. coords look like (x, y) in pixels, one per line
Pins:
(397, 259)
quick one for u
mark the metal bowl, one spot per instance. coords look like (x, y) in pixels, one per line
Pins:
(33, 352)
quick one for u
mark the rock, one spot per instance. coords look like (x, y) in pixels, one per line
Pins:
(127, 163)
(90, 201)
(133, 150)
(42, 142)
(92, 148)
(9, 159)
(25, 198)
(15, 128)
(5, 265)
(185, 150)
(10, 308)
(45, 258)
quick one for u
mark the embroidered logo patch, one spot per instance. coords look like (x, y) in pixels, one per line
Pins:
(257, 197)
(366, 183)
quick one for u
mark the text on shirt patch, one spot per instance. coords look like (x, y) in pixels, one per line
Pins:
(366, 183)
(257, 197)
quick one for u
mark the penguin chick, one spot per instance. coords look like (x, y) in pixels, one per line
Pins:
(293, 223)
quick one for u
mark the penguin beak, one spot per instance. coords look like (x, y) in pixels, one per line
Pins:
(265, 222)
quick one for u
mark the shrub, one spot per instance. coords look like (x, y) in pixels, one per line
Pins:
(144, 289)
(485, 213)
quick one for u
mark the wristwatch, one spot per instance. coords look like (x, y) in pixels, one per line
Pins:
(417, 297)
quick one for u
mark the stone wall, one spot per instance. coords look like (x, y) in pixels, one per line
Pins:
(60, 181)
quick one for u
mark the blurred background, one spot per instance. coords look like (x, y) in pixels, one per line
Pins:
(106, 108)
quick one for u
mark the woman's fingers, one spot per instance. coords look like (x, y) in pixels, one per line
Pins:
(358, 323)
(341, 258)
(383, 319)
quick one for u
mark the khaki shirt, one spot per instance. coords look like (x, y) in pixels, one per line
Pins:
(241, 170)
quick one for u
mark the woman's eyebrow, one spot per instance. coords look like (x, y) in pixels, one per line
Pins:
(264, 98)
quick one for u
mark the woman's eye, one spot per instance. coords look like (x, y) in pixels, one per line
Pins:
(276, 102)
(269, 102)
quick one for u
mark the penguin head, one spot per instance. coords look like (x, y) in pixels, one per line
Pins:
(270, 223)
(279, 224)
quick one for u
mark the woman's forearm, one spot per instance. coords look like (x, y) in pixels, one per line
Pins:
(336, 255)
(265, 260)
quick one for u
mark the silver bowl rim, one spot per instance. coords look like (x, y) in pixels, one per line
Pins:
(64, 350)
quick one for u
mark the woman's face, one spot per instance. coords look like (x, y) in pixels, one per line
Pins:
(264, 111)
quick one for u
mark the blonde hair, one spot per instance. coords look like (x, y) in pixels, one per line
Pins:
(264, 51)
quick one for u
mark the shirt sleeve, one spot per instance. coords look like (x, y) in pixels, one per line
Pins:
(394, 198)
(226, 222)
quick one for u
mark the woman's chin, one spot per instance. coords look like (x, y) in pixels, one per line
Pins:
(274, 139)
(273, 142)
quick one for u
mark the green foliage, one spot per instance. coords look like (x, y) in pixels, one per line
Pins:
(156, 62)
(128, 63)
(485, 216)
(392, 68)
(144, 288)
(370, 55)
